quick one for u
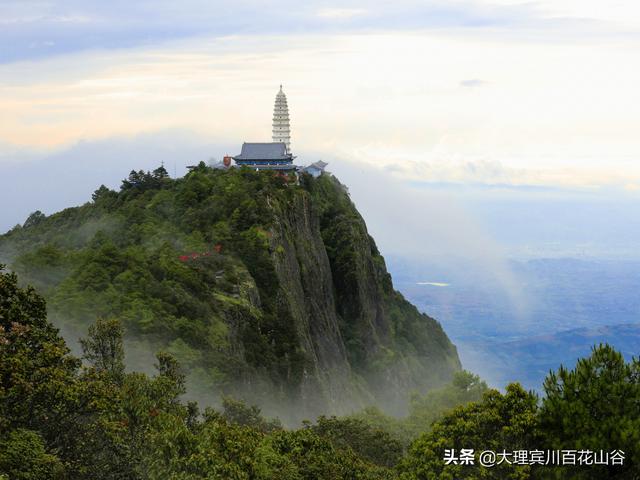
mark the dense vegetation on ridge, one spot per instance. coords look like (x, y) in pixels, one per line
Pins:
(260, 287)
(60, 419)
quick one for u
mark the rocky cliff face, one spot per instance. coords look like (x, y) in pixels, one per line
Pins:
(363, 343)
(261, 288)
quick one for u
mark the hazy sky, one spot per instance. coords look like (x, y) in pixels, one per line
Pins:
(492, 94)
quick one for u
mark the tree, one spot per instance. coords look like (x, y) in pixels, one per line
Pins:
(171, 375)
(304, 455)
(23, 457)
(34, 219)
(103, 348)
(371, 443)
(464, 388)
(238, 412)
(103, 196)
(37, 374)
(44, 407)
(592, 407)
(160, 173)
(133, 180)
(498, 423)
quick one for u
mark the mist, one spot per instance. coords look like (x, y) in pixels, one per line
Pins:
(54, 180)
(448, 246)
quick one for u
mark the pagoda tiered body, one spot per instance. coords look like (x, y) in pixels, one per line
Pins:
(277, 154)
(274, 155)
(281, 128)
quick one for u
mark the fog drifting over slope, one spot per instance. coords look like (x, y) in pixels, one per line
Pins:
(447, 233)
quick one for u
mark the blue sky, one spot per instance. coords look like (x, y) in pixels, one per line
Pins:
(34, 29)
(495, 102)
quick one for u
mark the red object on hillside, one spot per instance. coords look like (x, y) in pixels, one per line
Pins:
(192, 256)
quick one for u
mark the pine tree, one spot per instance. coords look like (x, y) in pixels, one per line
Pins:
(595, 406)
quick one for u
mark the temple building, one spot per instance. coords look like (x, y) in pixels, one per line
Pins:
(276, 155)
(315, 169)
(281, 129)
(265, 156)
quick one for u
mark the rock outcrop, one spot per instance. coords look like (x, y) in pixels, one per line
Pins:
(262, 288)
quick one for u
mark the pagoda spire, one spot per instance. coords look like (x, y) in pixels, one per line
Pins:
(281, 129)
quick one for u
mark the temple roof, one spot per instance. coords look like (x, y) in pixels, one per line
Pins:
(319, 164)
(264, 151)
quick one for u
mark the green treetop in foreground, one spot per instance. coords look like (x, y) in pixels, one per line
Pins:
(62, 420)
(59, 420)
(595, 406)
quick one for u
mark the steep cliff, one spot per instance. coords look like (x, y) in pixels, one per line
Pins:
(262, 288)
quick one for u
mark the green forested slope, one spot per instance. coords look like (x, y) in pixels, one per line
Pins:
(62, 418)
(261, 288)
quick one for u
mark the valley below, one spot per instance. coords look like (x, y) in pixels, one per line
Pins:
(550, 312)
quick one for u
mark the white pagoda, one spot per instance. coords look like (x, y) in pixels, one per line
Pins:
(281, 129)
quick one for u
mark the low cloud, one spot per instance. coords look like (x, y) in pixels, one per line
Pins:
(80, 168)
(474, 82)
(67, 177)
(460, 170)
(340, 13)
(429, 225)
